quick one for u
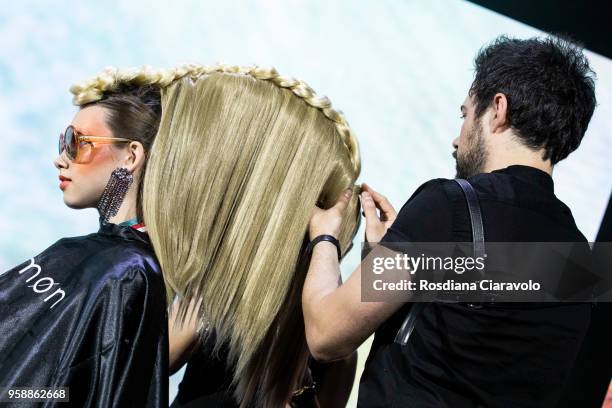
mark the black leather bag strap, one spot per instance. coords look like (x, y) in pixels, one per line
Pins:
(473, 204)
(403, 334)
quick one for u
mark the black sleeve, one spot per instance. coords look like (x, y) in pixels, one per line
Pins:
(120, 357)
(425, 217)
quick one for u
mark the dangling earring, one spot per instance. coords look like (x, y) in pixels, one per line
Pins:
(114, 193)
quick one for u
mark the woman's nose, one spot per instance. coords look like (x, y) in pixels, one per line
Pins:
(60, 161)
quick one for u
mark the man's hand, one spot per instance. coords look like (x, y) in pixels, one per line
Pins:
(335, 318)
(376, 226)
(327, 222)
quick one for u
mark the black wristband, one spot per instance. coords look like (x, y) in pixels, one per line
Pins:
(328, 238)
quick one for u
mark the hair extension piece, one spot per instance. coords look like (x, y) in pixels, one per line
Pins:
(241, 157)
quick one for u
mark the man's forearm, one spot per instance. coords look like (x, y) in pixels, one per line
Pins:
(324, 271)
(319, 303)
(336, 319)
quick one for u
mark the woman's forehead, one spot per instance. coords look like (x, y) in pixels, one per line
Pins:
(91, 120)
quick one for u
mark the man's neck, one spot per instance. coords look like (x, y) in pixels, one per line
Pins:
(521, 157)
(502, 165)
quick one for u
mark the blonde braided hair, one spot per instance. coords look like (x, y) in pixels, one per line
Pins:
(111, 79)
(268, 349)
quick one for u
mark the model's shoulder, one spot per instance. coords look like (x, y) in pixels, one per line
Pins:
(124, 257)
(103, 250)
(99, 258)
(124, 272)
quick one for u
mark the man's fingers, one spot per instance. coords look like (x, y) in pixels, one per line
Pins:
(369, 207)
(381, 202)
(343, 200)
(385, 206)
(366, 187)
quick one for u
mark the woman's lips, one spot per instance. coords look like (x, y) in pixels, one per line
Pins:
(64, 181)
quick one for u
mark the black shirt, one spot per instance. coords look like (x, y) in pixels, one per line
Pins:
(207, 381)
(490, 357)
(88, 313)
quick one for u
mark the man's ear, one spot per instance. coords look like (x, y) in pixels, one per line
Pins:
(499, 120)
(135, 157)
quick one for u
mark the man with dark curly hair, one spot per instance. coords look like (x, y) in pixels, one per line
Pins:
(527, 108)
(545, 91)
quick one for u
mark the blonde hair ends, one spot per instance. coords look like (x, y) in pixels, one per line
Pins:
(241, 157)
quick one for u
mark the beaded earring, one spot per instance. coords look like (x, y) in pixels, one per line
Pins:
(114, 193)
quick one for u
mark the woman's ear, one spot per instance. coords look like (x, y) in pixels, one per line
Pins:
(135, 157)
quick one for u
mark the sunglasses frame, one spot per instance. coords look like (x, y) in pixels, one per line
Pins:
(87, 139)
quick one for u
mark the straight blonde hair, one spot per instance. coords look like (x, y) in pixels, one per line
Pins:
(241, 157)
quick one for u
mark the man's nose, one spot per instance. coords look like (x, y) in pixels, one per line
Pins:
(455, 143)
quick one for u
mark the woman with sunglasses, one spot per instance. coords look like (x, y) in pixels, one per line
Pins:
(85, 320)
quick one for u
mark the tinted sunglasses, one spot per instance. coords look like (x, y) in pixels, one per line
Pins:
(71, 141)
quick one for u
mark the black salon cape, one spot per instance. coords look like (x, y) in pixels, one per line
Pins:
(89, 313)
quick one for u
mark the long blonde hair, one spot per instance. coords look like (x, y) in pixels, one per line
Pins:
(241, 157)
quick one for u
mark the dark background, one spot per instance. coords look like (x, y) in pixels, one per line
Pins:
(588, 21)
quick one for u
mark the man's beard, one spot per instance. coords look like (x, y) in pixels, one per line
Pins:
(473, 158)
